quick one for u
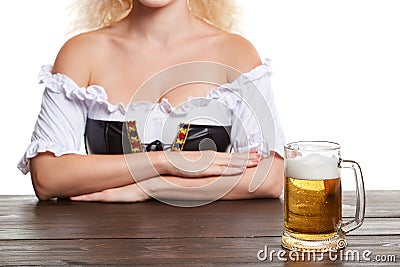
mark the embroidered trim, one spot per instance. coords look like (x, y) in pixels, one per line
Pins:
(133, 136)
(181, 137)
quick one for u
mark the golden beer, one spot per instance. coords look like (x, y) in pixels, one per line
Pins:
(313, 197)
(313, 208)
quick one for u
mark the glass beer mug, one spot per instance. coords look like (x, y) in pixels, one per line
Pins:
(313, 197)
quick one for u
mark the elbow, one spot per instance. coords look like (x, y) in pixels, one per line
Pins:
(275, 191)
(40, 185)
(273, 185)
(41, 179)
(41, 195)
(277, 175)
(270, 189)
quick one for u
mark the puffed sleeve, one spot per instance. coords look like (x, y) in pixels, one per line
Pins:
(255, 119)
(60, 126)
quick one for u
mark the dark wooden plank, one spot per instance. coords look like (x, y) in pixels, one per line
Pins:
(66, 219)
(378, 226)
(188, 251)
(380, 203)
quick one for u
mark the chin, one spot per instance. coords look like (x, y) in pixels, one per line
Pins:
(156, 3)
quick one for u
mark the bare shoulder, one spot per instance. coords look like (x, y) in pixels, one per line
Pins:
(77, 55)
(239, 53)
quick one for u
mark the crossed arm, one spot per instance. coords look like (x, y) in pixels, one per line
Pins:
(108, 178)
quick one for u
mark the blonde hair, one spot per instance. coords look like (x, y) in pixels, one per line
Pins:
(94, 14)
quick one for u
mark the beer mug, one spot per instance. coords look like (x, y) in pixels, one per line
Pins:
(313, 197)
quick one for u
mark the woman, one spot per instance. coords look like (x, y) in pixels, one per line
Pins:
(96, 69)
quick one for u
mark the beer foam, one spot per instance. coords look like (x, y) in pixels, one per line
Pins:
(312, 167)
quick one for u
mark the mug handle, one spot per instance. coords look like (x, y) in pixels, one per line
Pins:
(360, 195)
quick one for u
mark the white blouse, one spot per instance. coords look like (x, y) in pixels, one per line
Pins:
(246, 104)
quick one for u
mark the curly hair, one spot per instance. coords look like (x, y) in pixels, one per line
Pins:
(94, 14)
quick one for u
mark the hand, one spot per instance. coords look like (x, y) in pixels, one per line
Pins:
(128, 193)
(194, 164)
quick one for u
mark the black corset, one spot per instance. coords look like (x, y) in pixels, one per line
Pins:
(111, 137)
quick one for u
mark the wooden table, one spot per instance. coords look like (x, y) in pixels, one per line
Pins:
(224, 233)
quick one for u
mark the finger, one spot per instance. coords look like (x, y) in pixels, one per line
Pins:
(223, 158)
(244, 162)
(229, 171)
(98, 196)
(252, 154)
(78, 198)
(238, 161)
(246, 155)
(225, 171)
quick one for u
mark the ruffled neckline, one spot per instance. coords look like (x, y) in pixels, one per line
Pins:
(61, 83)
(58, 82)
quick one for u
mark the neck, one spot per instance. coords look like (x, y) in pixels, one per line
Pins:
(161, 25)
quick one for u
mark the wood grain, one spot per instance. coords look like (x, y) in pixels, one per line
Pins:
(185, 251)
(224, 233)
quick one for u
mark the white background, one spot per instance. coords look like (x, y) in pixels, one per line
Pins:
(336, 75)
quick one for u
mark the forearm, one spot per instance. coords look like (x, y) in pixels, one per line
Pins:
(265, 180)
(71, 175)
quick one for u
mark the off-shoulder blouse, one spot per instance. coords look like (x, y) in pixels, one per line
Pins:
(245, 105)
